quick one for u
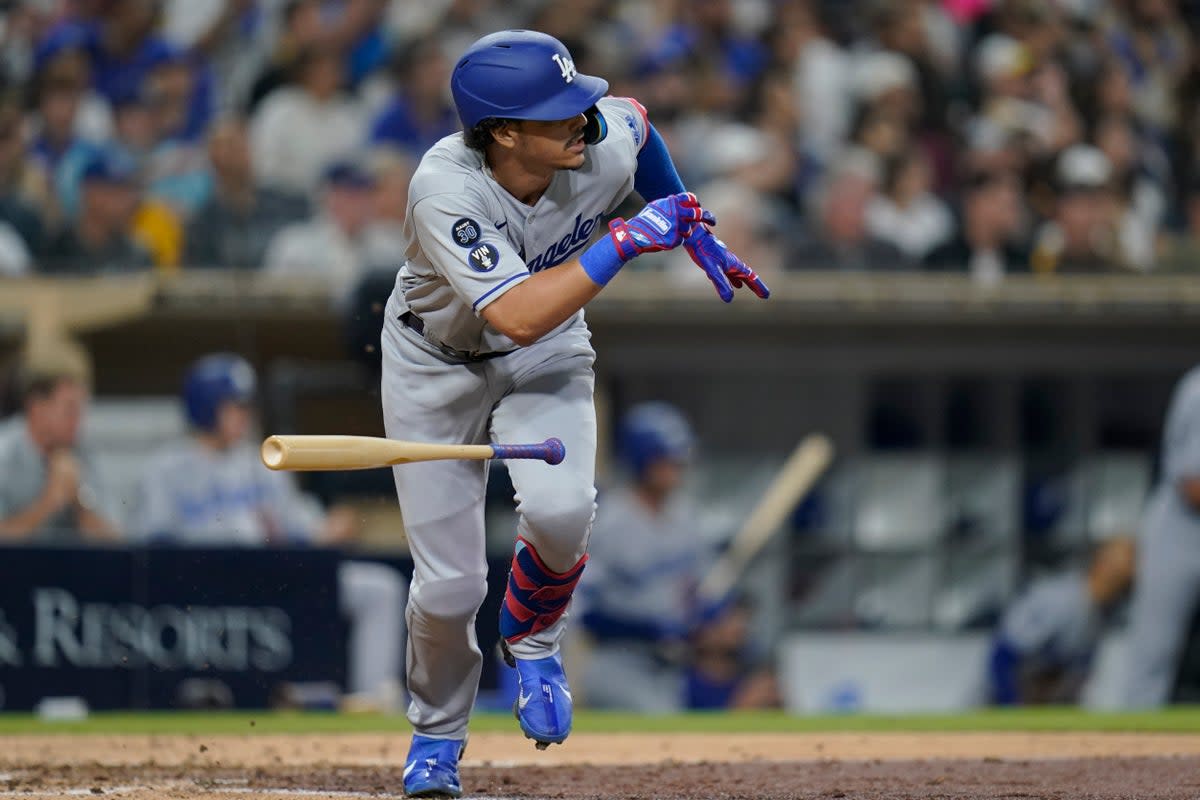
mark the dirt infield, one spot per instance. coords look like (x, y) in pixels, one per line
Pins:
(610, 767)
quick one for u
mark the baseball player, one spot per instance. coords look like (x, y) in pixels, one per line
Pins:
(484, 339)
(1043, 650)
(1167, 586)
(212, 489)
(658, 647)
(645, 561)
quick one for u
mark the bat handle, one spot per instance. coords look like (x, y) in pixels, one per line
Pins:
(551, 451)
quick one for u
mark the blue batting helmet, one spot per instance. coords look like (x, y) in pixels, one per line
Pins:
(214, 380)
(654, 431)
(524, 75)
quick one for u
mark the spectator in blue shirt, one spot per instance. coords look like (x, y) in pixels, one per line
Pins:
(123, 48)
(419, 113)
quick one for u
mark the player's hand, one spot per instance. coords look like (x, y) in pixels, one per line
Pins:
(62, 479)
(726, 271)
(661, 225)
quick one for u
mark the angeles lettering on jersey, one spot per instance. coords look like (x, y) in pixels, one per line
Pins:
(561, 250)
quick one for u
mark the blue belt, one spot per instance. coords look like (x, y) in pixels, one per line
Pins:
(414, 322)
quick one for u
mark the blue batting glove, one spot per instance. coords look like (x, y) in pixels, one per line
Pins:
(726, 271)
(661, 225)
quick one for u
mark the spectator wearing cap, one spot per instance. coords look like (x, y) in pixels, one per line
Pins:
(905, 27)
(300, 130)
(906, 213)
(99, 241)
(123, 47)
(50, 490)
(419, 113)
(154, 128)
(1026, 99)
(392, 173)
(705, 35)
(62, 61)
(838, 238)
(234, 227)
(334, 244)
(887, 82)
(990, 241)
(56, 147)
(1082, 234)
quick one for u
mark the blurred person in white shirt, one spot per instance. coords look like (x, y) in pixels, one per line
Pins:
(341, 243)
(213, 490)
(298, 131)
(906, 213)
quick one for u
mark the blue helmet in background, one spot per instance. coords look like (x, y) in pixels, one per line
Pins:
(650, 432)
(214, 380)
(524, 75)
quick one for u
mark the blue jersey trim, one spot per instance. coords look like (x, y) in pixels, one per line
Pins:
(497, 288)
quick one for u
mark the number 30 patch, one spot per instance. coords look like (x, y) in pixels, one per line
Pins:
(465, 232)
(484, 258)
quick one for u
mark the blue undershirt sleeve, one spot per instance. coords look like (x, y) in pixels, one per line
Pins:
(656, 176)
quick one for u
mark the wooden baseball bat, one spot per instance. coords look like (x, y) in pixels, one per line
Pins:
(367, 452)
(794, 480)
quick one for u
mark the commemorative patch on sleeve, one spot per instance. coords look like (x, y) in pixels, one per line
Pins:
(465, 232)
(484, 258)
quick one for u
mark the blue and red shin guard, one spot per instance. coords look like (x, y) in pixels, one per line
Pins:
(536, 596)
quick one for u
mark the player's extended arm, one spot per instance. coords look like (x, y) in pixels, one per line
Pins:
(656, 177)
(533, 308)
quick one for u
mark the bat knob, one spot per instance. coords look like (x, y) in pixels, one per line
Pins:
(556, 451)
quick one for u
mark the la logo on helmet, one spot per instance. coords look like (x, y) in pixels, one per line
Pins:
(567, 66)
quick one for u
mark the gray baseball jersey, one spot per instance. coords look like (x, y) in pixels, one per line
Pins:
(23, 477)
(643, 569)
(1054, 622)
(644, 566)
(469, 239)
(194, 495)
(1167, 586)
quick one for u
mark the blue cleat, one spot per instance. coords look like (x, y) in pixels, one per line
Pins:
(431, 769)
(544, 703)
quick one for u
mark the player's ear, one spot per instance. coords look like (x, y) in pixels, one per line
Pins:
(505, 134)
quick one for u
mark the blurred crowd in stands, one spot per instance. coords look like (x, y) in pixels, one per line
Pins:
(980, 136)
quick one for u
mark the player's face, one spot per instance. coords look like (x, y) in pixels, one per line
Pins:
(233, 423)
(557, 144)
(58, 415)
(664, 476)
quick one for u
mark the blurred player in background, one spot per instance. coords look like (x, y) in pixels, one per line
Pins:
(657, 648)
(1168, 569)
(1043, 650)
(49, 488)
(484, 339)
(212, 489)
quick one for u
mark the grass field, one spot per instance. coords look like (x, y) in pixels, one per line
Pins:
(1174, 720)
